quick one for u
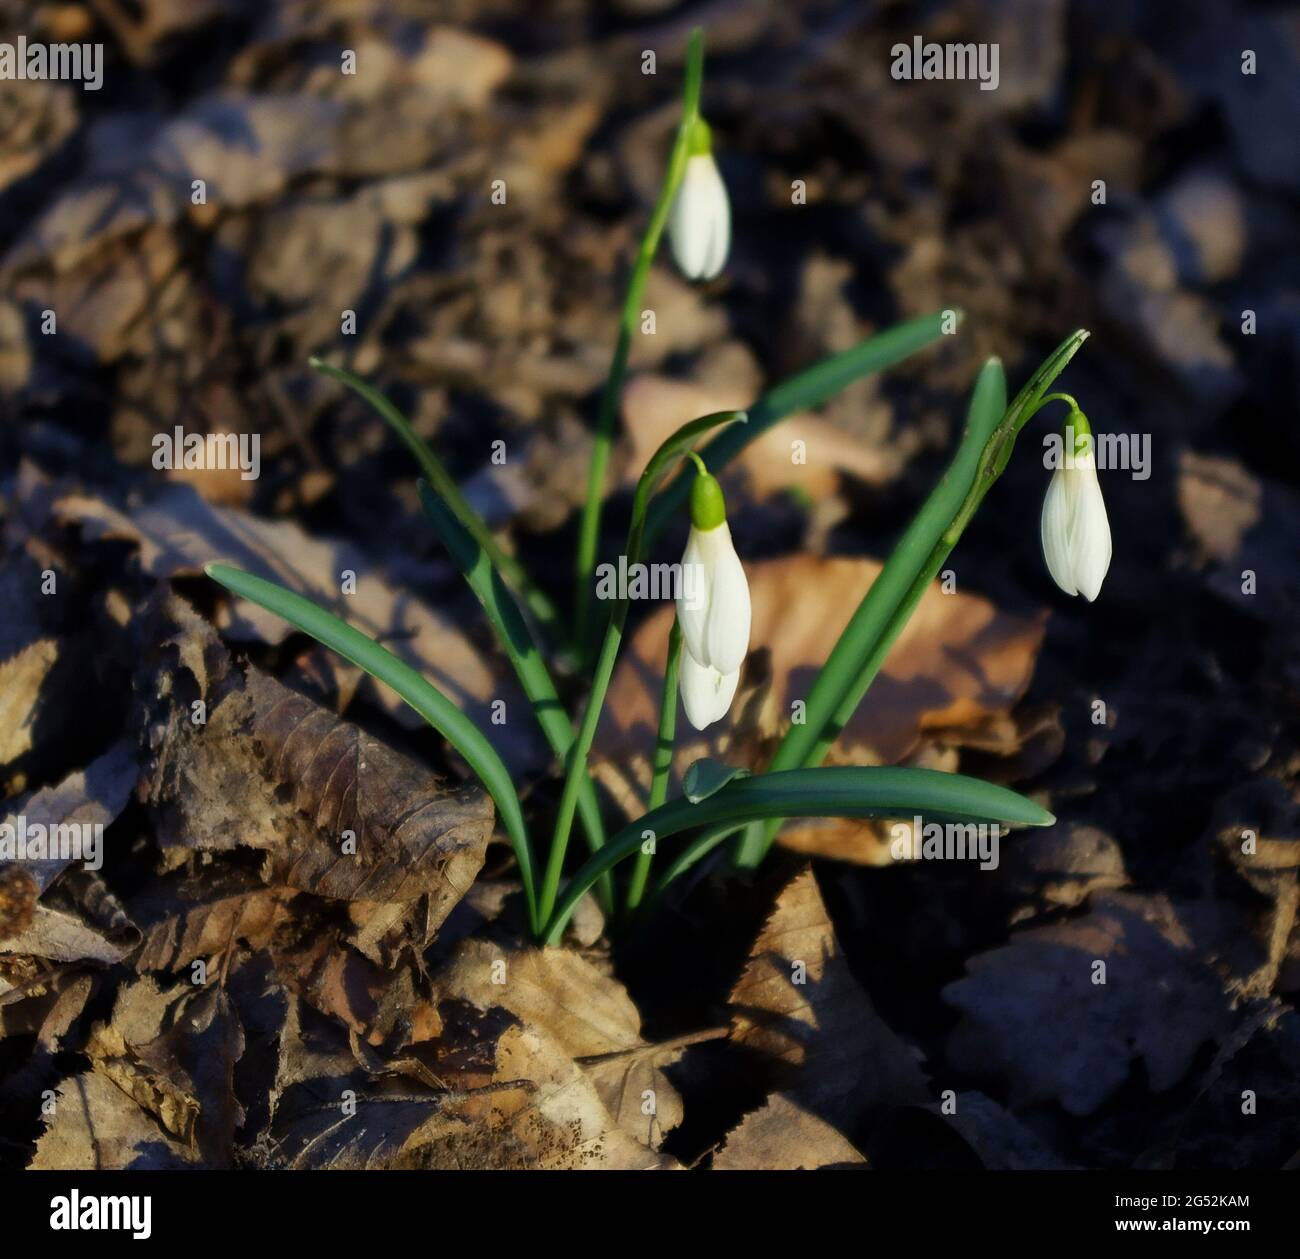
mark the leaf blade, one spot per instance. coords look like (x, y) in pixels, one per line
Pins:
(833, 791)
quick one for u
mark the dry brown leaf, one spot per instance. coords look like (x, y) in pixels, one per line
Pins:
(654, 406)
(783, 1136)
(210, 928)
(798, 1005)
(64, 937)
(1036, 1015)
(951, 678)
(383, 1006)
(96, 1126)
(498, 1096)
(90, 797)
(589, 1015)
(272, 770)
(177, 532)
(173, 1051)
(21, 679)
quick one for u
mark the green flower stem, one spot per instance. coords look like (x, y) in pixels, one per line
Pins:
(837, 791)
(513, 634)
(663, 759)
(589, 530)
(808, 389)
(420, 694)
(857, 657)
(539, 605)
(577, 768)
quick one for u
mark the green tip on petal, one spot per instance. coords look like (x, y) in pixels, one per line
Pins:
(708, 510)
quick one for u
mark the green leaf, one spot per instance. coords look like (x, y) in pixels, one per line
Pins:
(707, 777)
(517, 641)
(421, 695)
(835, 791)
(808, 389)
(441, 480)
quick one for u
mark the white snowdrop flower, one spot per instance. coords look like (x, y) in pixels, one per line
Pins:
(1075, 532)
(699, 226)
(713, 608)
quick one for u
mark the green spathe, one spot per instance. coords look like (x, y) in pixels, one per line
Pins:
(708, 508)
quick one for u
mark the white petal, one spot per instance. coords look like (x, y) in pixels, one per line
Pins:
(699, 226)
(1090, 535)
(1054, 531)
(697, 580)
(706, 693)
(727, 639)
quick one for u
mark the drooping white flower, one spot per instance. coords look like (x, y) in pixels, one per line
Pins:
(1075, 531)
(713, 608)
(699, 225)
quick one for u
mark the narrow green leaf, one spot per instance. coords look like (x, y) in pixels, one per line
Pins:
(836, 791)
(808, 389)
(517, 641)
(442, 481)
(420, 694)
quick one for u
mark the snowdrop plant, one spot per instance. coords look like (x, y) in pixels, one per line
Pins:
(710, 635)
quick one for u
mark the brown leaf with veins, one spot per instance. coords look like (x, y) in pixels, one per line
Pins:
(390, 1006)
(488, 1094)
(798, 1005)
(96, 1126)
(209, 928)
(272, 770)
(588, 1014)
(173, 1051)
(177, 532)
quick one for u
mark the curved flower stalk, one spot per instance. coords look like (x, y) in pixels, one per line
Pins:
(1075, 532)
(713, 608)
(699, 227)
